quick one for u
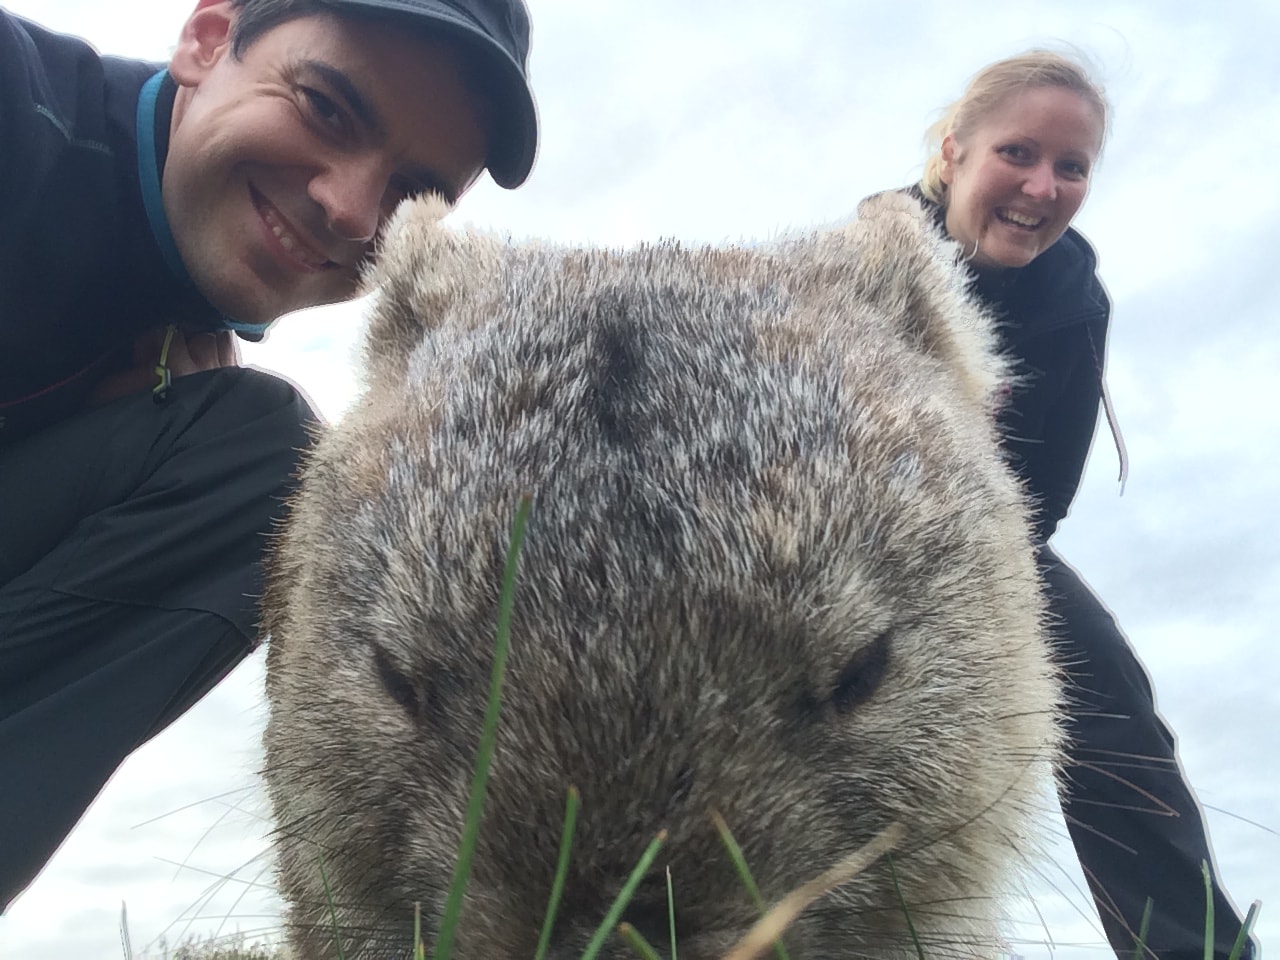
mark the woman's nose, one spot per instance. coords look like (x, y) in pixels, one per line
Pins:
(1041, 183)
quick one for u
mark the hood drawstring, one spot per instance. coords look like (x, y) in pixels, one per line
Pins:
(1112, 423)
(160, 392)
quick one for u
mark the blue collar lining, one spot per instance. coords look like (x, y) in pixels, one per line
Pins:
(149, 178)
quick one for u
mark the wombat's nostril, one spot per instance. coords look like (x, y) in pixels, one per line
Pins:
(651, 922)
(682, 786)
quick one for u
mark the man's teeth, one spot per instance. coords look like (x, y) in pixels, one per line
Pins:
(290, 242)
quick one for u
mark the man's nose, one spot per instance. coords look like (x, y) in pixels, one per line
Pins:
(352, 194)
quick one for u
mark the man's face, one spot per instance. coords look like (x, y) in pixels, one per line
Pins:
(283, 164)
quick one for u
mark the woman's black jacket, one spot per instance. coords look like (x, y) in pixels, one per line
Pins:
(1053, 316)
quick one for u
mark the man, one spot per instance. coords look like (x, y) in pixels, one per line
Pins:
(149, 216)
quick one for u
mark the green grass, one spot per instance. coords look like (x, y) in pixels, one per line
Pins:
(488, 737)
(748, 881)
(562, 870)
(236, 947)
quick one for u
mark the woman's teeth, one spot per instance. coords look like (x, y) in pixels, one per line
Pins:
(1019, 219)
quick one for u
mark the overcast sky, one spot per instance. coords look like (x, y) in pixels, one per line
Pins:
(716, 120)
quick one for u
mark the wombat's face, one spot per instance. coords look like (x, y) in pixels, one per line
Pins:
(774, 570)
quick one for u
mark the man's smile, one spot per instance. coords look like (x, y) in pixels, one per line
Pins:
(287, 237)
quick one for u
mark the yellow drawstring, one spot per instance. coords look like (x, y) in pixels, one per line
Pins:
(160, 392)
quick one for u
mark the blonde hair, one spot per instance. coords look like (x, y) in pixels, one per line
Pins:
(991, 87)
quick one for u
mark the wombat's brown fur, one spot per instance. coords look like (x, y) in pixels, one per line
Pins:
(775, 568)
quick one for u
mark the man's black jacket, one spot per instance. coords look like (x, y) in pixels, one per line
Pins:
(81, 269)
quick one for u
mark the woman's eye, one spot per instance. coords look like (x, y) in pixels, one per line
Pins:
(1016, 153)
(1074, 171)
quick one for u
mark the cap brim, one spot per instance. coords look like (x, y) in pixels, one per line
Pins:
(515, 145)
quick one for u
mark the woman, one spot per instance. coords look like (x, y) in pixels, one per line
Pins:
(1010, 168)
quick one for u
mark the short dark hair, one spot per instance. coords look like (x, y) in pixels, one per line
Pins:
(256, 17)
(487, 40)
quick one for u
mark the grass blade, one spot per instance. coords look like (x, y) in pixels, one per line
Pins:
(1208, 910)
(624, 897)
(1143, 927)
(562, 870)
(488, 735)
(906, 912)
(125, 941)
(671, 912)
(1237, 949)
(770, 927)
(748, 881)
(333, 910)
(636, 942)
(419, 951)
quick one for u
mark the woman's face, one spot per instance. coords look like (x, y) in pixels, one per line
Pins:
(1016, 181)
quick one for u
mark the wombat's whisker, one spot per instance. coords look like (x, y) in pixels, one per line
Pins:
(197, 803)
(195, 912)
(1161, 808)
(247, 886)
(937, 947)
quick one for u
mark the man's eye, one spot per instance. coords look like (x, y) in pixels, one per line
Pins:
(324, 109)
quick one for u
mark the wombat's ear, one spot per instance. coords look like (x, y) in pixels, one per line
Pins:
(421, 269)
(908, 267)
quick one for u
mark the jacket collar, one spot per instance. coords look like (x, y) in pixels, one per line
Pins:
(1058, 288)
(155, 109)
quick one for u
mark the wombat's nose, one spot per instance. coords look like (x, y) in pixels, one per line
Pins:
(651, 922)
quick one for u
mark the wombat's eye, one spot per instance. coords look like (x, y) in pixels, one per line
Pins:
(396, 683)
(861, 676)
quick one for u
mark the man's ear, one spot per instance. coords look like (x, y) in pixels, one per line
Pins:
(950, 154)
(205, 39)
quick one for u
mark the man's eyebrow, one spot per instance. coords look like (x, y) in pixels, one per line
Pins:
(367, 114)
(364, 111)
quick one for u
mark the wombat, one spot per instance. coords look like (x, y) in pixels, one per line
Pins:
(775, 568)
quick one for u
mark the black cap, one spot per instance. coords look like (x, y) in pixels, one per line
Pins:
(497, 31)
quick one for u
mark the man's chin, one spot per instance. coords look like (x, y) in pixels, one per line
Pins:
(318, 303)
(242, 307)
